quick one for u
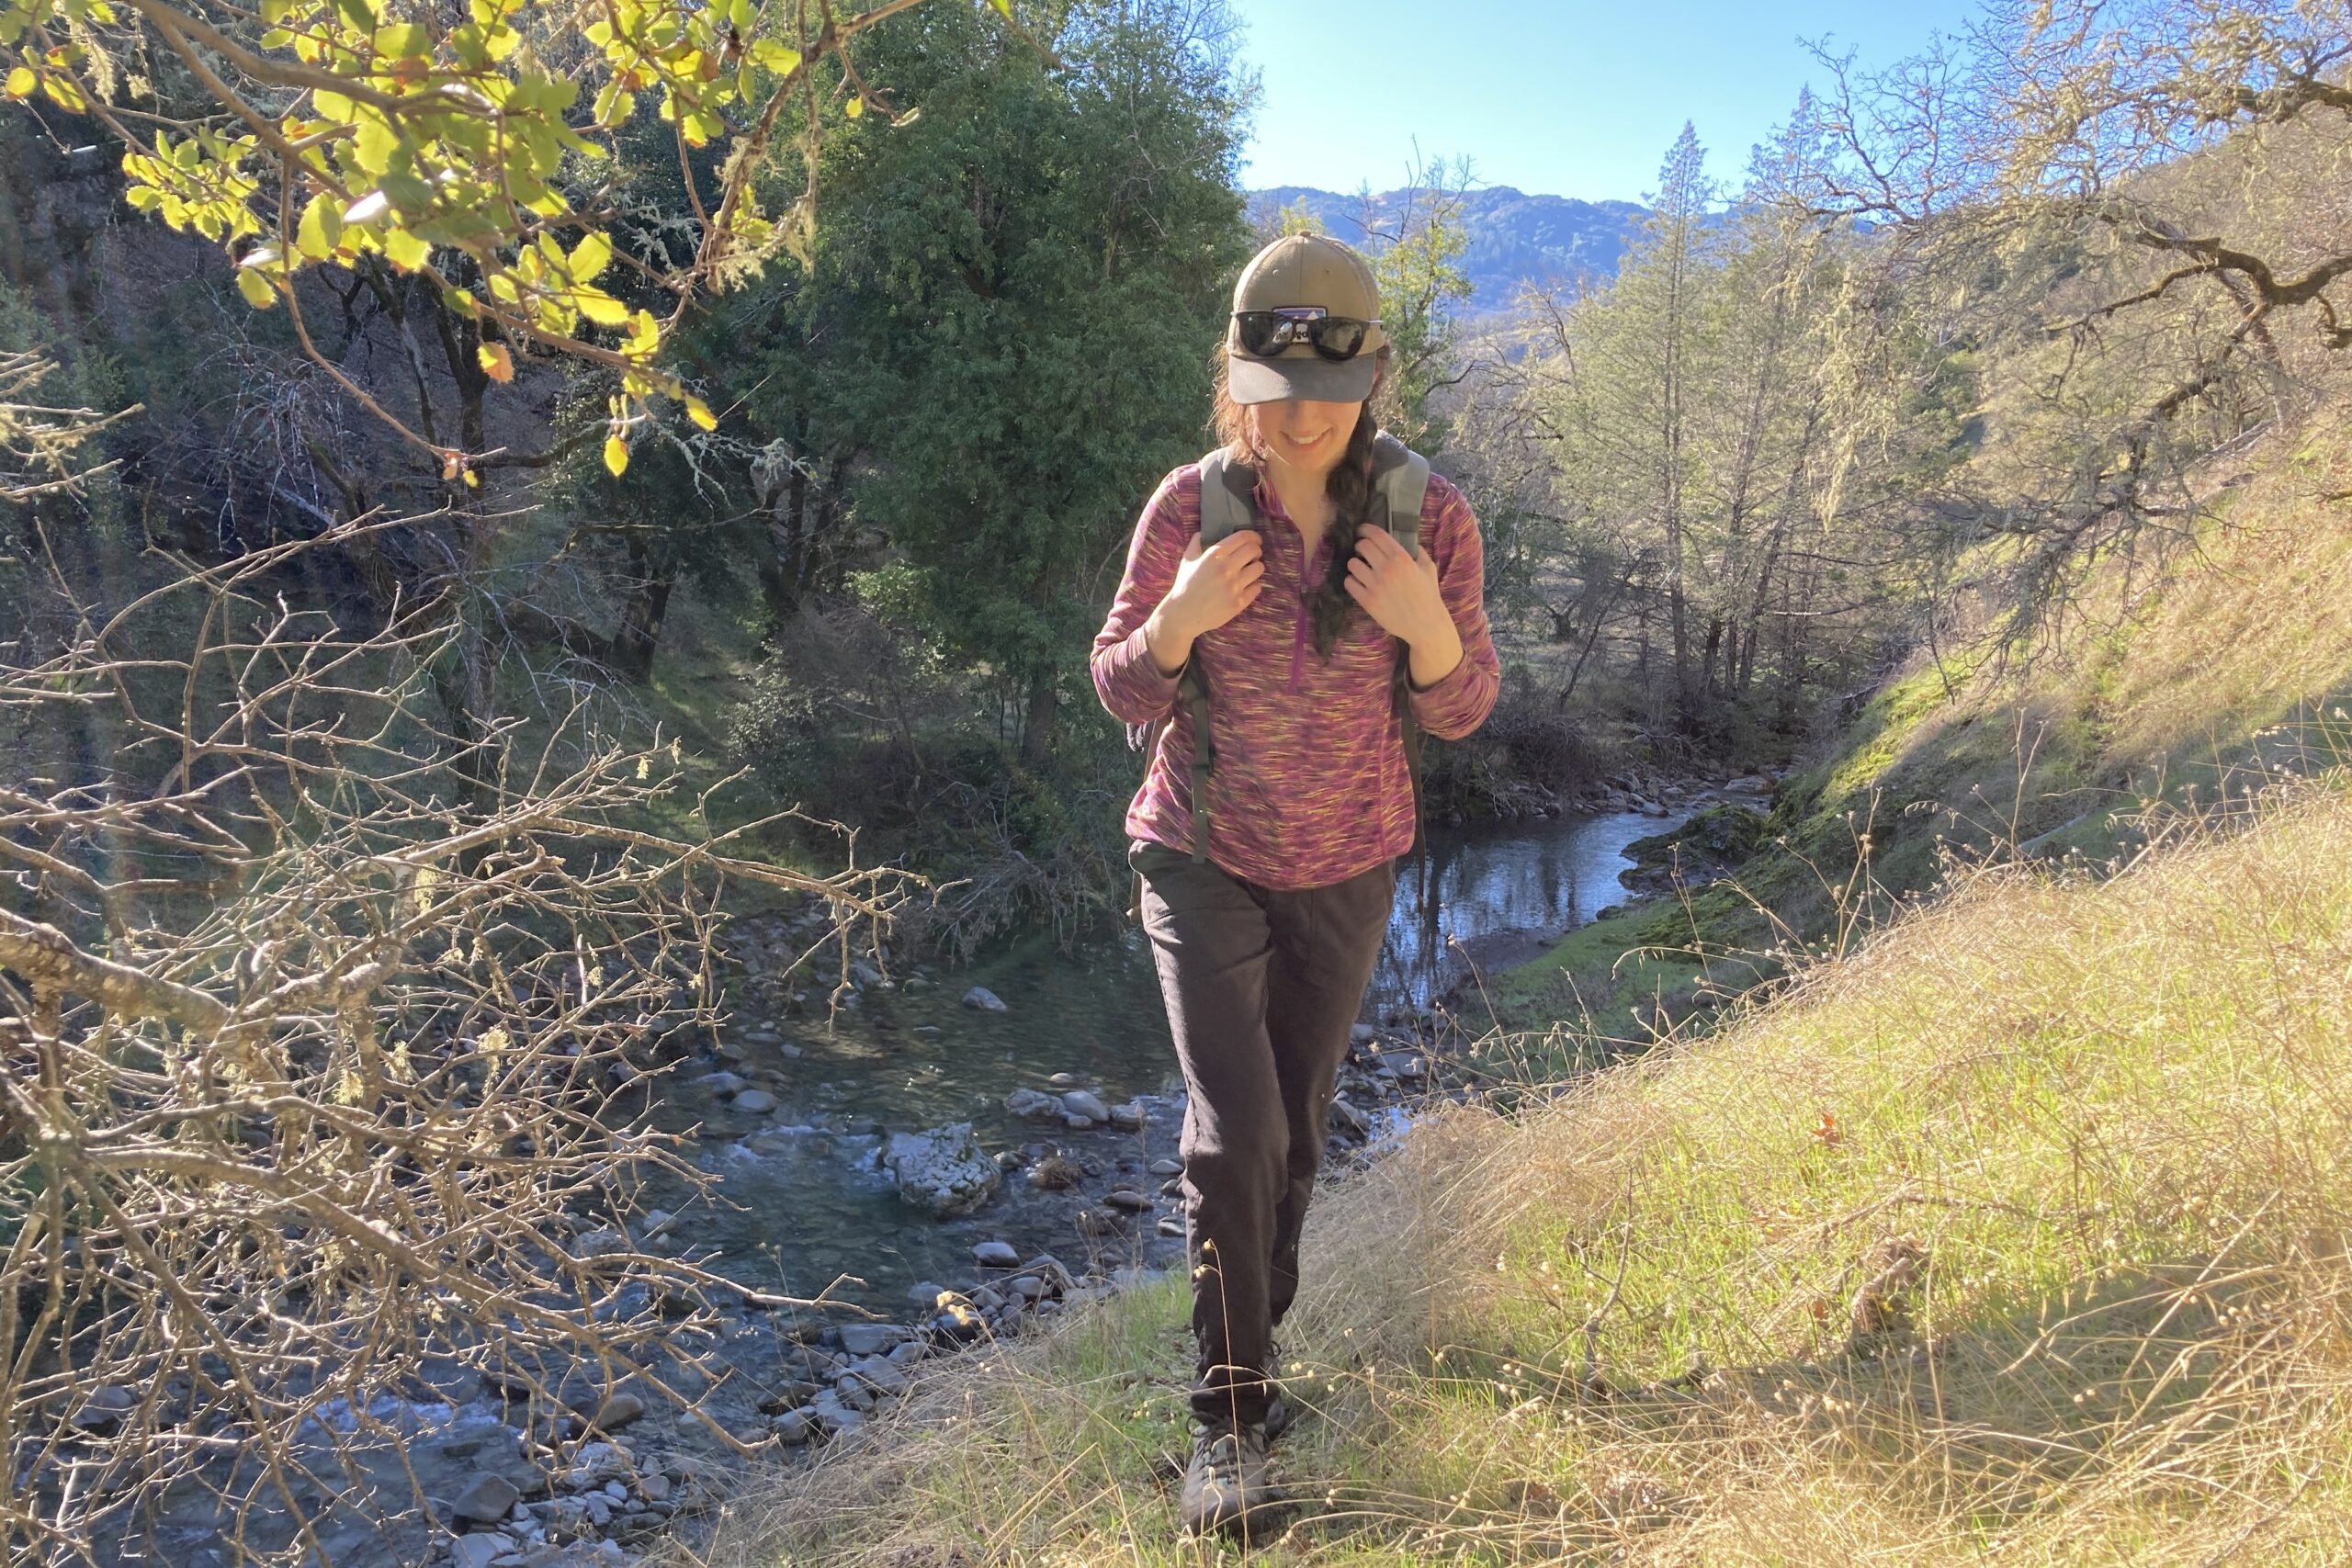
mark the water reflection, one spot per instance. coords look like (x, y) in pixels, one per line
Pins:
(1542, 881)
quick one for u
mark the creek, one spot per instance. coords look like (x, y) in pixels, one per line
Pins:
(802, 1204)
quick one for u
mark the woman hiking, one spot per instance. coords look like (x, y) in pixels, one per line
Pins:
(1315, 635)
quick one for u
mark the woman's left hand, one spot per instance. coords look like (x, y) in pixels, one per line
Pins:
(1397, 588)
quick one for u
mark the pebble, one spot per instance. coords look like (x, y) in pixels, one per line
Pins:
(983, 999)
(1076, 1122)
(758, 1101)
(996, 1253)
(1063, 1080)
(793, 1427)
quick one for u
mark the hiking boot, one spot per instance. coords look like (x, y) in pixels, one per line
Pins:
(1227, 1478)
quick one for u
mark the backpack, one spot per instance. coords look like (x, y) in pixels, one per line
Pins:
(1400, 478)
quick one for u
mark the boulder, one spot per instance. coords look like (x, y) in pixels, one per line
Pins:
(943, 1171)
(1128, 1118)
(1082, 1103)
(995, 1255)
(1128, 1198)
(986, 1000)
(1166, 1168)
(722, 1084)
(758, 1101)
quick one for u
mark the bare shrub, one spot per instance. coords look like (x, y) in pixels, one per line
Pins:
(317, 1061)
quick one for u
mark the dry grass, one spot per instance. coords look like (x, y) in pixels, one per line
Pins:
(2017, 1236)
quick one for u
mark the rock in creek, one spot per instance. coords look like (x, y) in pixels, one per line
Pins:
(870, 1339)
(1128, 1118)
(758, 1101)
(1166, 1168)
(995, 1255)
(617, 1411)
(944, 1171)
(1082, 1103)
(983, 999)
(1128, 1198)
(477, 1550)
(486, 1500)
(720, 1085)
(1031, 1105)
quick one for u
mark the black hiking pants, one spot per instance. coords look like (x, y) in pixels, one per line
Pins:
(1262, 988)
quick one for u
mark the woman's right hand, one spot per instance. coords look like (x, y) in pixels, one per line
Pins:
(1211, 586)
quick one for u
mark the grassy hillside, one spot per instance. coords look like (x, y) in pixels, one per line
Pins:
(2195, 667)
(2015, 1236)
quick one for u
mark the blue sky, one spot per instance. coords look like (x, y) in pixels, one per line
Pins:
(1570, 98)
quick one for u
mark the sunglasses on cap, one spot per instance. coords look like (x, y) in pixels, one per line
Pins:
(1267, 332)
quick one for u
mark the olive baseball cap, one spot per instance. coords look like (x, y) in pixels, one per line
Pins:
(1296, 270)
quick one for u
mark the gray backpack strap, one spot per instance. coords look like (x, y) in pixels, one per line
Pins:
(1400, 478)
(1228, 507)
(1226, 497)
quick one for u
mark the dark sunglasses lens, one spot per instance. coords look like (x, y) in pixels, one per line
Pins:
(1339, 337)
(1258, 330)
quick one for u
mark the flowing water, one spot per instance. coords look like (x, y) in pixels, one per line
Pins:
(814, 1207)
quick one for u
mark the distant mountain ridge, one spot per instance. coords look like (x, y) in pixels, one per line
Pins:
(1513, 237)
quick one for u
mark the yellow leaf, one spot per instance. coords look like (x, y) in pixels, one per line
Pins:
(496, 362)
(599, 306)
(700, 412)
(616, 455)
(644, 334)
(589, 256)
(405, 249)
(255, 288)
(321, 227)
(855, 106)
(21, 82)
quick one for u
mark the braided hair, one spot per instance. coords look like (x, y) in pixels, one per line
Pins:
(1329, 608)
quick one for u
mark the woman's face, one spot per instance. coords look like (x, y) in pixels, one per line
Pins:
(1305, 435)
